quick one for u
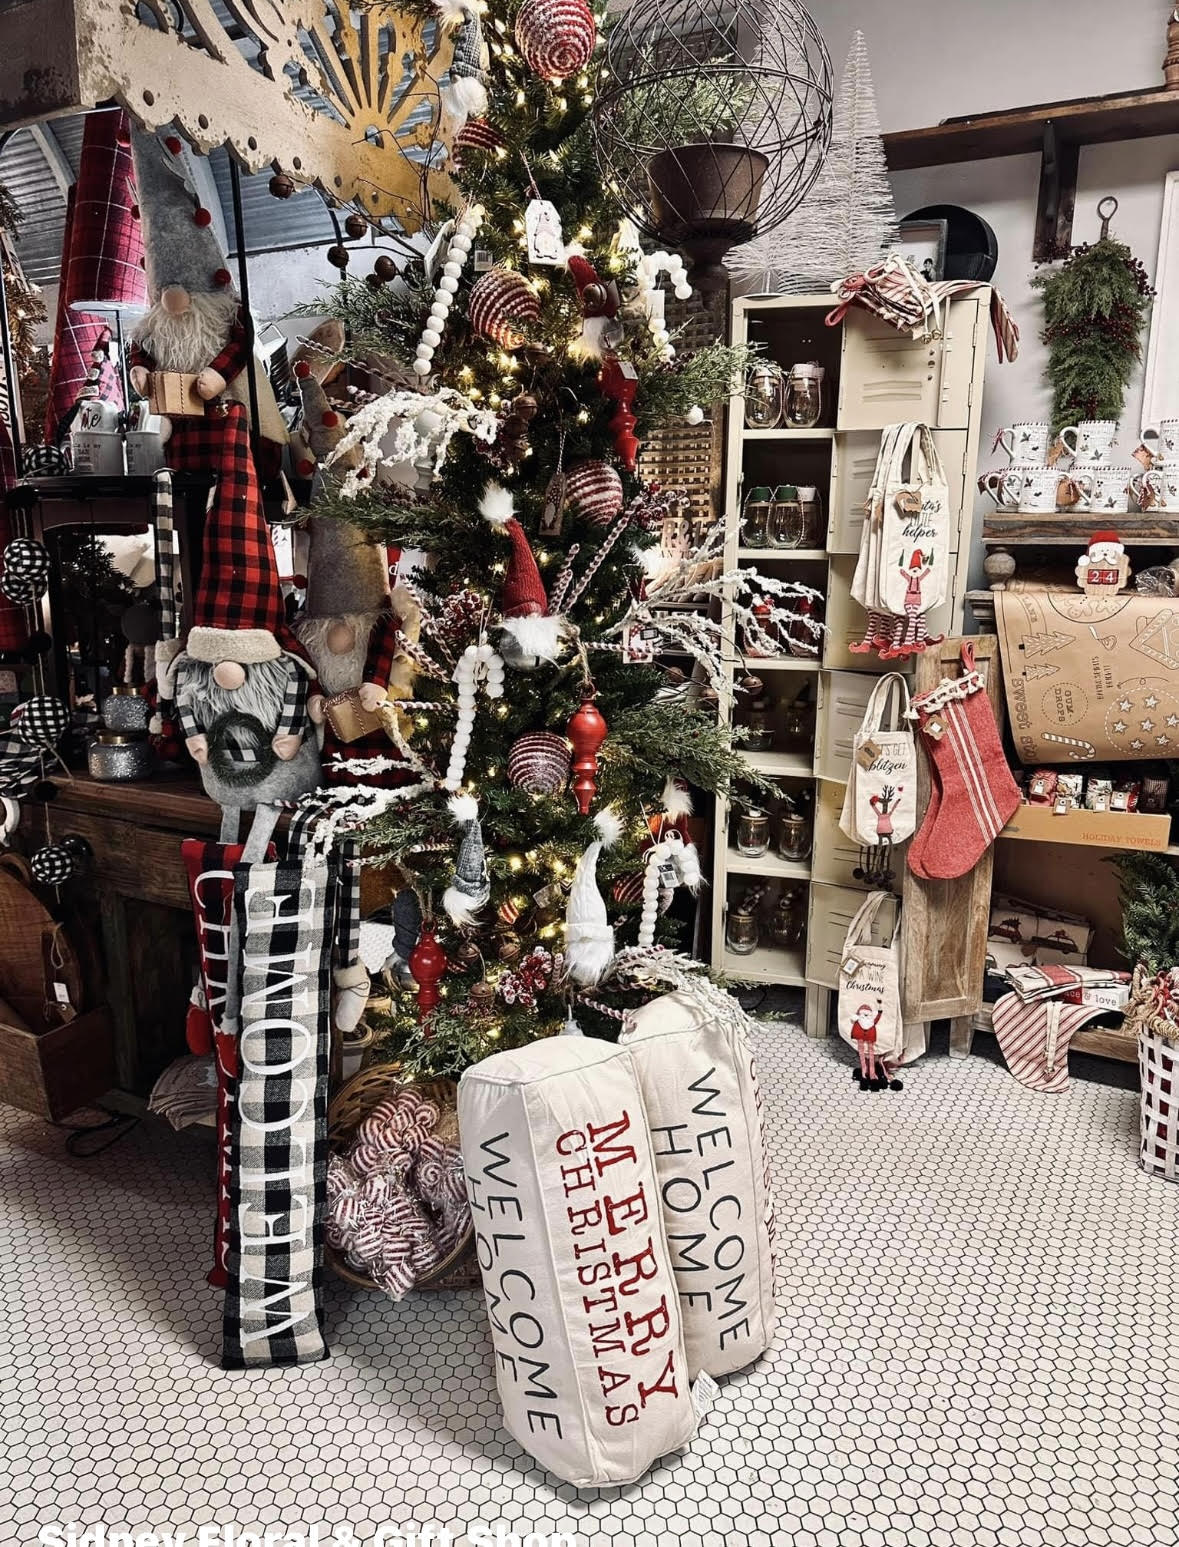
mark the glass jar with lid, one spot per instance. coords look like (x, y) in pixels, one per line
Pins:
(795, 831)
(759, 723)
(797, 723)
(788, 920)
(755, 517)
(814, 533)
(741, 931)
(786, 518)
(804, 396)
(753, 833)
(765, 396)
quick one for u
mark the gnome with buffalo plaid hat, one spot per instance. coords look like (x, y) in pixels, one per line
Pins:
(240, 684)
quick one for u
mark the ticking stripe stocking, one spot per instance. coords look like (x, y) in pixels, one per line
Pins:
(976, 793)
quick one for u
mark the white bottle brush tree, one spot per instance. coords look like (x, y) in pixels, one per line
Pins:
(848, 220)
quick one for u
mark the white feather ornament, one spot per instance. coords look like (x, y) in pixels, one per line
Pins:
(497, 507)
(676, 799)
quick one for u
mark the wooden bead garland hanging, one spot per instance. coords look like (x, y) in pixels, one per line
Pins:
(479, 665)
(457, 253)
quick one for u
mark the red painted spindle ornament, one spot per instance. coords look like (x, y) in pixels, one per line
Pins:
(587, 730)
(427, 962)
(619, 381)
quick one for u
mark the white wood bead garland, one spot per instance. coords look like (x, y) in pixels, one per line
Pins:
(478, 666)
(647, 272)
(457, 253)
(657, 857)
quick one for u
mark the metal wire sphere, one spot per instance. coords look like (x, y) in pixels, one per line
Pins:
(712, 118)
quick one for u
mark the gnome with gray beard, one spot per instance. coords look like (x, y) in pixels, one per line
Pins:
(352, 629)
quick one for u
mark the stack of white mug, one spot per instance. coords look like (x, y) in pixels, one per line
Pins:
(1095, 482)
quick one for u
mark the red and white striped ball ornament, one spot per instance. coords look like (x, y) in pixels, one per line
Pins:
(539, 762)
(594, 490)
(502, 305)
(556, 37)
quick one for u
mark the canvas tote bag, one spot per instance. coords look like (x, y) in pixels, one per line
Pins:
(880, 801)
(700, 1088)
(915, 529)
(864, 588)
(585, 1319)
(869, 1003)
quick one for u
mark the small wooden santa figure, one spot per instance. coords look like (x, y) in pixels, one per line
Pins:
(1105, 568)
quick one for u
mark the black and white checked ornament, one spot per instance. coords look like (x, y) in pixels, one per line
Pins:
(25, 571)
(41, 721)
(53, 865)
(45, 462)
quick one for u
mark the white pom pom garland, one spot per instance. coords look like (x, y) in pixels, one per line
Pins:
(457, 253)
(478, 666)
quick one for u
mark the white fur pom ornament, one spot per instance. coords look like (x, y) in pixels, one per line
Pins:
(676, 800)
(471, 888)
(589, 939)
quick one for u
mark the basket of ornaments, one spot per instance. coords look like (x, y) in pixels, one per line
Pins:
(1153, 1012)
(397, 1215)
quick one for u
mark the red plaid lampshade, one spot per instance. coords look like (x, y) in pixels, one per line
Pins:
(101, 265)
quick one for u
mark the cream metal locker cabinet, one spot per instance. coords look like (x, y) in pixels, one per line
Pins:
(875, 376)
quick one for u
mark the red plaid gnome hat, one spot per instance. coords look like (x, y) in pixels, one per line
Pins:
(523, 605)
(238, 606)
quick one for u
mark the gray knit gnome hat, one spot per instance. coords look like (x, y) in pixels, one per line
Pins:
(471, 887)
(179, 244)
(347, 571)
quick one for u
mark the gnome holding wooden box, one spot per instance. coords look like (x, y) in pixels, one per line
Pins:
(352, 628)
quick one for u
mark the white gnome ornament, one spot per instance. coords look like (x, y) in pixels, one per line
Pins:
(1105, 568)
(589, 939)
(351, 627)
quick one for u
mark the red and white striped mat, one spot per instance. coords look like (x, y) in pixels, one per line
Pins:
(1035, 1037)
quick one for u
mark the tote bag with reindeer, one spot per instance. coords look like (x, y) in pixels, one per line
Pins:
(880, 802)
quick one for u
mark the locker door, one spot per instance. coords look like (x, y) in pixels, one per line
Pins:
(843, 697)
(887, 376)
(830, 912)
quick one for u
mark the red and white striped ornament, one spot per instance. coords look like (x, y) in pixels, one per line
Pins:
(476, 134)
(627, 891)
(538, 762)
(556, 37)
(594, 490)
(500, 303)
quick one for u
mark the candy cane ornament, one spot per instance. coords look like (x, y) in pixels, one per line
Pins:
(478, 666)
(457, 253)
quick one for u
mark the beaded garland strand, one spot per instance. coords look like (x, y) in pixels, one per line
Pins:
(457, 253)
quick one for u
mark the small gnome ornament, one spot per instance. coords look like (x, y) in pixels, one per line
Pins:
(529, 633)
(1105, 568)
(600, 305)
(471, 888)
(589, 939)
(351, 628)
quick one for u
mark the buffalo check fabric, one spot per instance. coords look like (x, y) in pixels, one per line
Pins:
(105, 254)
(284, 919)
(162, 522)
(1034, 1038)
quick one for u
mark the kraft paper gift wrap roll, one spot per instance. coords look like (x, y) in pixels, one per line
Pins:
(584, 1314)
(700, 1089)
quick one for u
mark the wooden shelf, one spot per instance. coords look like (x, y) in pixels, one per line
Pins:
(1056, 130)
(767, 965)
(756, 664)
(1068, 530)
(770, 865)
(786, 434)
(785, 765)
(1098, 1041)
(1091, 829)
(1019, 131)
(806, 555)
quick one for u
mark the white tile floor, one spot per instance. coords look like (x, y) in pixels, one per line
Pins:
(979, 1348)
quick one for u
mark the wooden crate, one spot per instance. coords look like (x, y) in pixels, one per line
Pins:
(52, 1073)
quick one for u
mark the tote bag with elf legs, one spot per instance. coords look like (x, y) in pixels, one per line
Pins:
(869, 1005)
(915, 527)
(880, 803)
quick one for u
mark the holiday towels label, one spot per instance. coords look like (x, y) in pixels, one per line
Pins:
(584, 1316)
(701, 1094)
(1090, 677)
(273, 1312)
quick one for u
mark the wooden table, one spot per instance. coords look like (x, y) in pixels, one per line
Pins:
(133, 894)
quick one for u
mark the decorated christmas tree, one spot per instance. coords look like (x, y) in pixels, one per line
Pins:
(529, 820)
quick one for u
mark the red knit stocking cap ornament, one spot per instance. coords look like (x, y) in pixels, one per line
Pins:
(974, 793)
(524, 607)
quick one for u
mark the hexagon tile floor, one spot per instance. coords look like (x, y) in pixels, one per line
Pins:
(979, 1347)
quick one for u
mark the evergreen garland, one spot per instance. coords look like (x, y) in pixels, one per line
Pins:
(1150, 911)
(1095, 307)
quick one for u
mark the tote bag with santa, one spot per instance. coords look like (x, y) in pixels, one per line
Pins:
(880, 801)
(869, 1004)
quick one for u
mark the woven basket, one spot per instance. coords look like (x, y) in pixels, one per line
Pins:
(1158, 1070)
(347, 1110)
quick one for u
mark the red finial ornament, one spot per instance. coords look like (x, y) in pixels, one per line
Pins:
(427, 962)
(587, 730)
(201, 216)
(619, 381)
